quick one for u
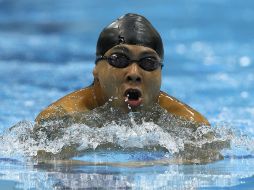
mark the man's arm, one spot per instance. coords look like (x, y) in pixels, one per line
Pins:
(79, 101)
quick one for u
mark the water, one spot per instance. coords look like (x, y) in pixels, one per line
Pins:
(47, 49)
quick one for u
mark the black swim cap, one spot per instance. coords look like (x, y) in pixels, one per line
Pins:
(130, 29)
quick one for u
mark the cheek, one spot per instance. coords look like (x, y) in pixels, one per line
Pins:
(153, 85)
(110, 81)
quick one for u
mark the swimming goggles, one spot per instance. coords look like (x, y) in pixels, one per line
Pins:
(121, 61)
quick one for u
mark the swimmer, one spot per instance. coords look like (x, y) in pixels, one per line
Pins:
(127, 74)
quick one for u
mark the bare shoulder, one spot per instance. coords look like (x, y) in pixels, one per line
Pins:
(175, 107)
(77, 101)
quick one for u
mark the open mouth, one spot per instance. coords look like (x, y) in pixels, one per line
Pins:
(133, 97)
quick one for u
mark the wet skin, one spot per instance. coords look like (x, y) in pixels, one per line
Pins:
(115, 82)
(112, 84)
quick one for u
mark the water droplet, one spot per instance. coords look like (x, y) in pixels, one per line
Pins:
(244, 61)
(180, 49)
(209, 60)
(244, 94)
(197, 46)
(29, 103)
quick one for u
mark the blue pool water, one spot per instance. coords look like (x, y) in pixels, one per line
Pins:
(47, 49)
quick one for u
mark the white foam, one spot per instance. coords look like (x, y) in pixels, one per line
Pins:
(130, 132)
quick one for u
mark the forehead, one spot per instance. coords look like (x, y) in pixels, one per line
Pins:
(132, 49)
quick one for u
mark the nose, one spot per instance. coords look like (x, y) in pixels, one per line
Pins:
(133, 74)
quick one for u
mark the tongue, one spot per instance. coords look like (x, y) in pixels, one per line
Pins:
(133, 102)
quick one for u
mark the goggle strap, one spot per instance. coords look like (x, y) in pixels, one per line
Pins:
(100, 57)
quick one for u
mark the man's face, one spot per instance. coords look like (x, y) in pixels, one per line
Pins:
(131, 87)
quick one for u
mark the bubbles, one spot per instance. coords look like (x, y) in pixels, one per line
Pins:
(12, 140)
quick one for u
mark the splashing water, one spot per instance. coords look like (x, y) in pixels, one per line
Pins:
(109, 129)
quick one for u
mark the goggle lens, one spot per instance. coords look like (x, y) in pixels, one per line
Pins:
(122, 61)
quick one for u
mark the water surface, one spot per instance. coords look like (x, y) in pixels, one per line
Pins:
(47, 49)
